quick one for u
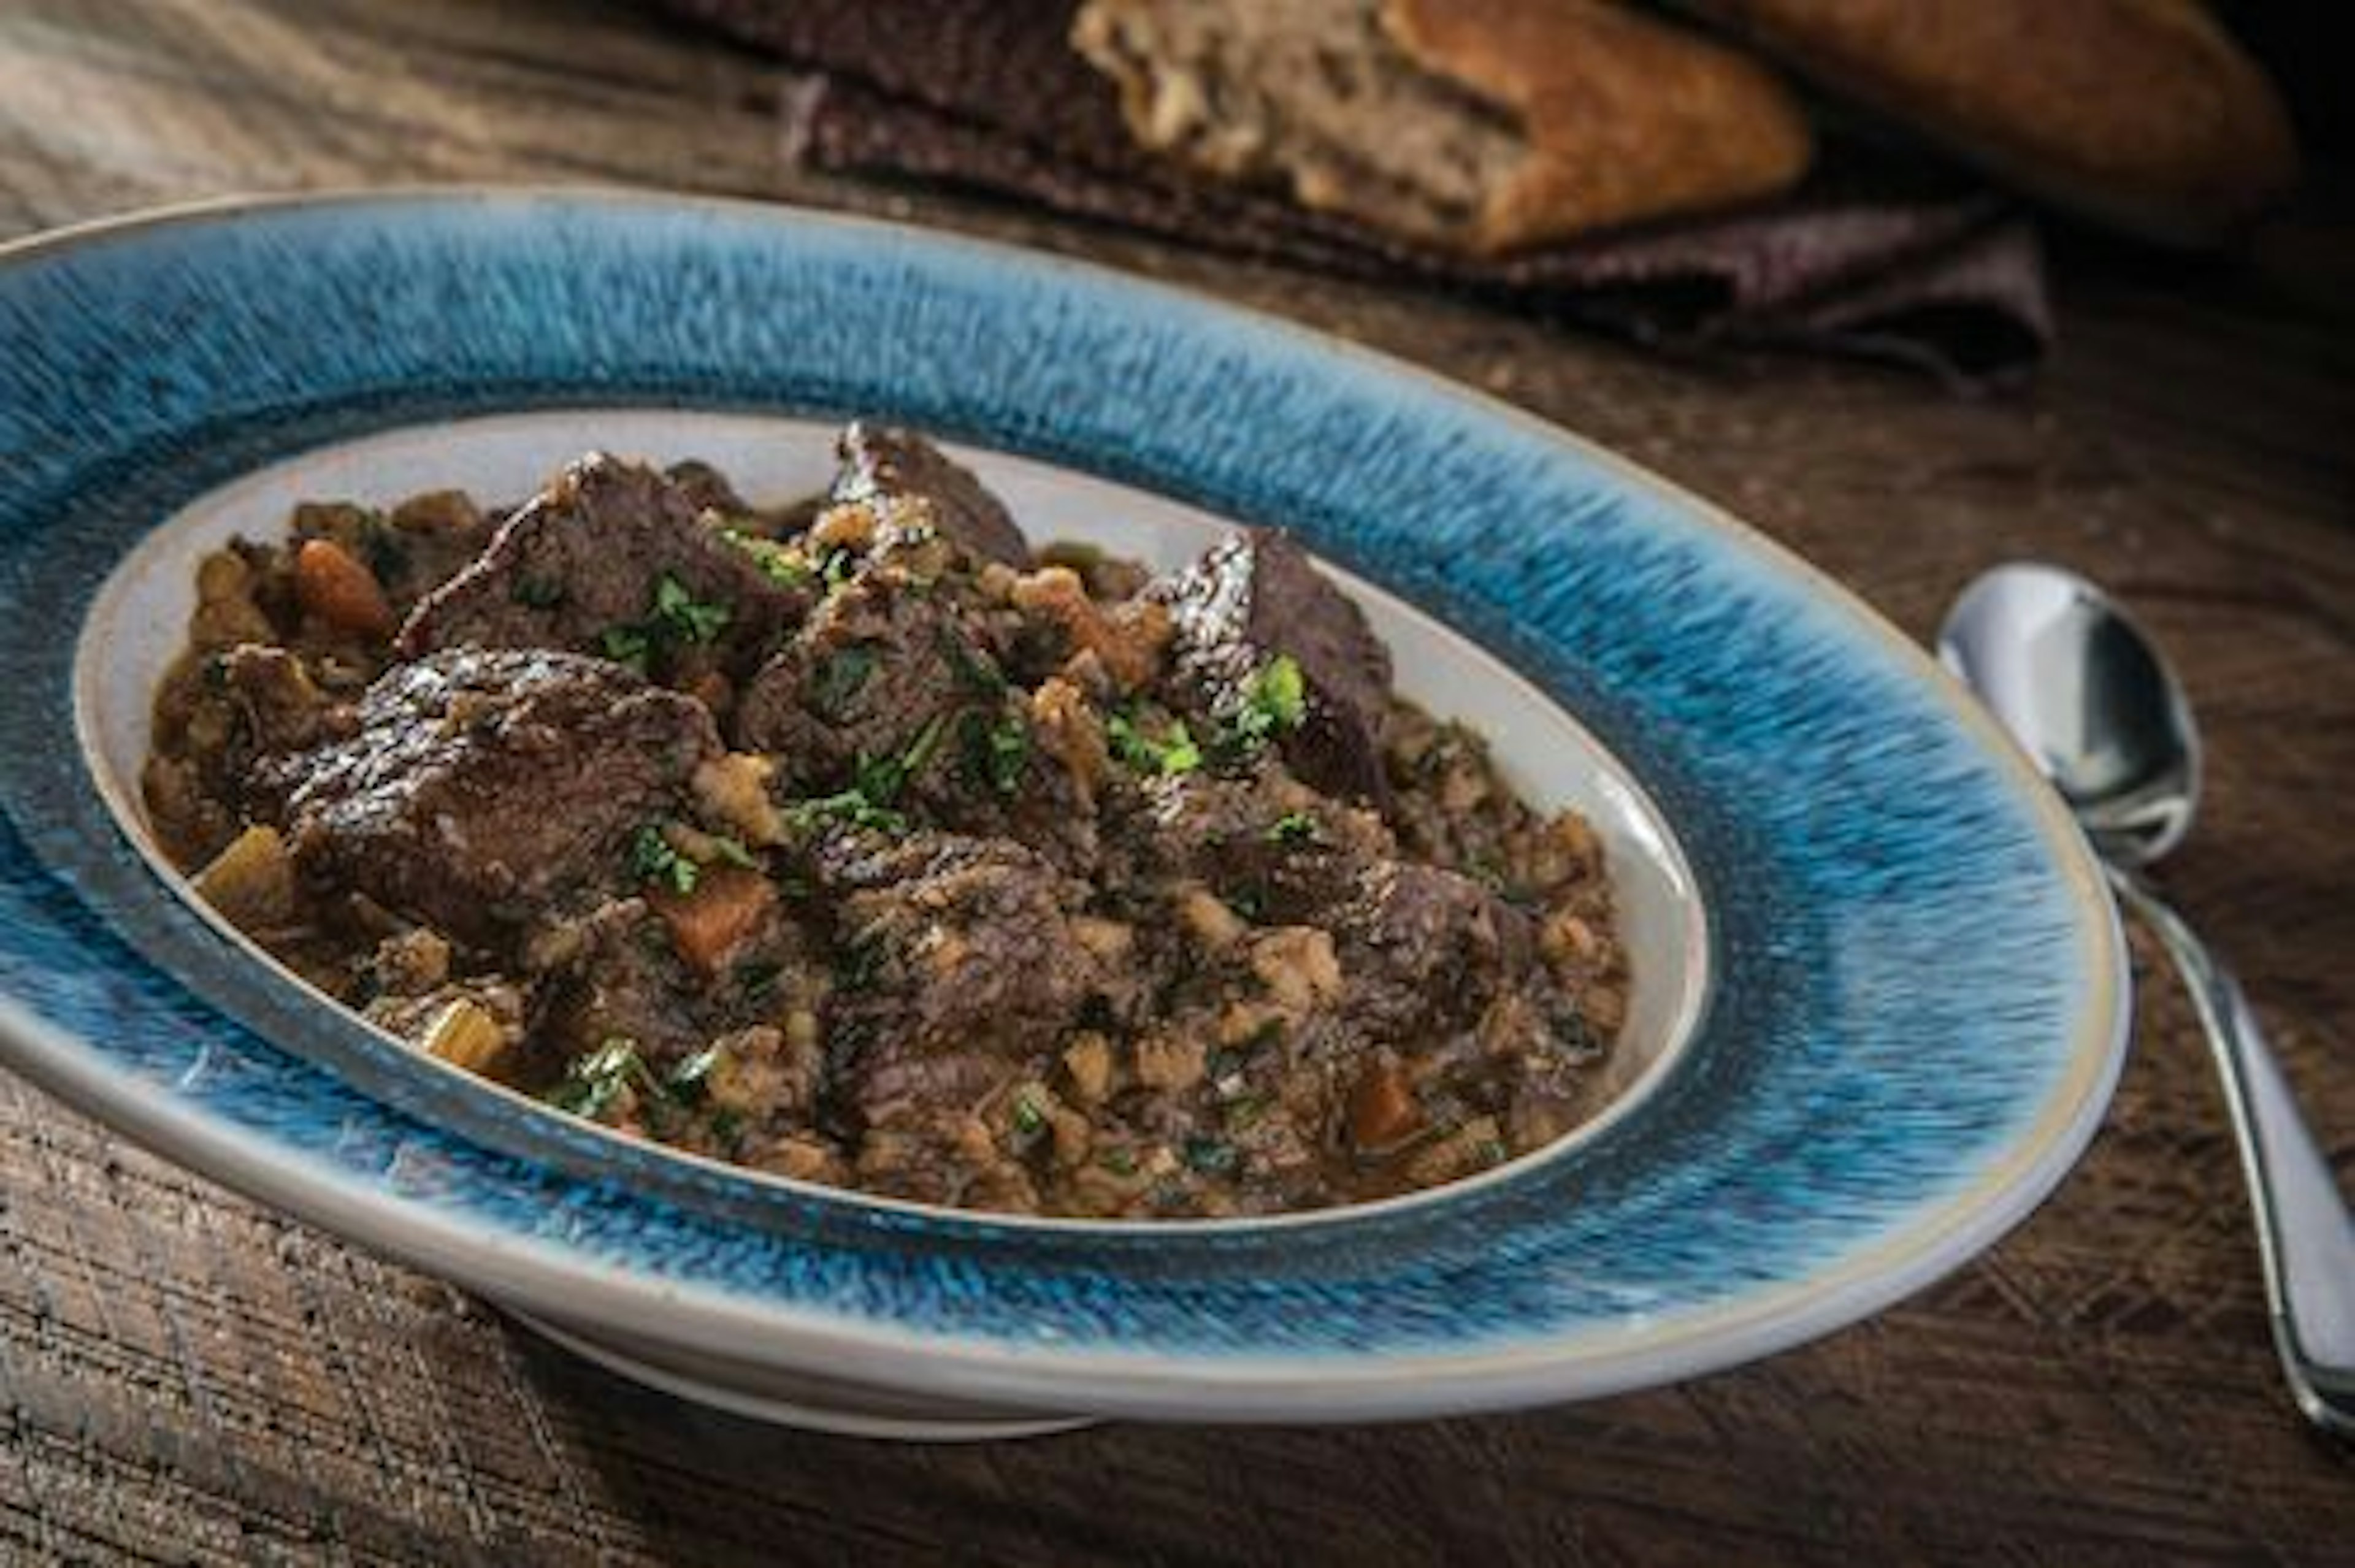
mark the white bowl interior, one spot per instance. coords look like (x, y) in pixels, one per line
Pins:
(139, 621)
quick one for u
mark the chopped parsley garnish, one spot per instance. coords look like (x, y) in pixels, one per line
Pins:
(676, 619)
(1119, 1161)
(1279, 693)
(777, 563)
(1028, 1120)
(1173, 751)
(627, 645)
(731, 850)
(653, 859)
(995, 751)
(1273, 701)
(592, 1083)
(1292, 828)
(881, 779)
(841, 678)
(850, 807)
(874, 786)
(685, 617)
(538, 592)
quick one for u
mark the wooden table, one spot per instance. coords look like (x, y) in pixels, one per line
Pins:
(185, 1377)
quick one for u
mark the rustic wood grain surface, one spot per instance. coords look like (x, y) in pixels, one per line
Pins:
(185, 1377)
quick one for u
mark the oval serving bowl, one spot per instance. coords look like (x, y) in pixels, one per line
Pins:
(1914, 1005)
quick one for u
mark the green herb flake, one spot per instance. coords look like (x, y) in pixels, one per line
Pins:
(1172, 753)
(1280, 693)
(628, 646)
(653, 859)
(685, 617)
(925, 748)
(997, 752)
(1028, 1120)
(1119, 1161)
(874, 786)
(1292, 828)
(850, 807)
(595, 1083)
(777, 563)
(732, 852)
(1274, 701)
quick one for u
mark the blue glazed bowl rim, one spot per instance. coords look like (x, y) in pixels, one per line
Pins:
(1149, 1378)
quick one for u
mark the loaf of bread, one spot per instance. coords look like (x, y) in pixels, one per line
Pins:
(2143, 114)
(1478, 126)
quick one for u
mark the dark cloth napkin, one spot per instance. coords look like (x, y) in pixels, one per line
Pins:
(1875, 255)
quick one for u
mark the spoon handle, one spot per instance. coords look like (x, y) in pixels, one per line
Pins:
(2305, 1234)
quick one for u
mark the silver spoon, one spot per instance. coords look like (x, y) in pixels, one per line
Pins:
(2087, 696)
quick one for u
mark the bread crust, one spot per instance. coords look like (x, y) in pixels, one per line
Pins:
(1623, 117)
(1628, 118)
(2143, 114)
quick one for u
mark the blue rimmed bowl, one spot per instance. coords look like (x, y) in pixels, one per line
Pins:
(1880, 997)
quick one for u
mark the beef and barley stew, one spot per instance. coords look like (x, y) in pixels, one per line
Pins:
(862, 841)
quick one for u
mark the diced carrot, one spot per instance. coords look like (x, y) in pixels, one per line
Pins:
(1382, 1108)
(708, 923)
(336, 587)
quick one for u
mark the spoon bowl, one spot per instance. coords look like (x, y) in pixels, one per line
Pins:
(2087, 695)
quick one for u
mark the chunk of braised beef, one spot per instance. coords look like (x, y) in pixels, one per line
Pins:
(613, 559)
(616, 973)
(1425, 950)
(480, 785)
(706, 489)
(878, 462)
(945, 942)
(1254, 596)
(991, 777)
(882, 660)
(1273, 850)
